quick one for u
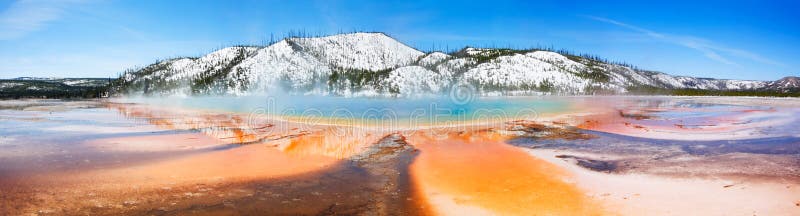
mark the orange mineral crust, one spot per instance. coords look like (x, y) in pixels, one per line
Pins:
(244, 163)
(476, 173)
(341, 143)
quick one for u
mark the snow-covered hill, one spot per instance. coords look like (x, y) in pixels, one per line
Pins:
(785, 85)
(376, 64)
(53, 87)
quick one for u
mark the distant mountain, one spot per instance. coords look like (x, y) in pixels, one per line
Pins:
(24, 87)
(369, 64)
(787, 84)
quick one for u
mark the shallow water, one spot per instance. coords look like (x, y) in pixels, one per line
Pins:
(429, 110)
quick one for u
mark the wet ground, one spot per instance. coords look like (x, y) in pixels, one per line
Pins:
(112, 158)
(62, 159)
(767, 158)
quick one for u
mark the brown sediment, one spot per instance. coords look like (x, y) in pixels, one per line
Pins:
(240, 136)
(391, 158)
(333, 142)
(542, 131)
(634, 115)
(340, 189)
(589, 124)
(466, 170)
(251, 179)
(374, 183)
(594, 165)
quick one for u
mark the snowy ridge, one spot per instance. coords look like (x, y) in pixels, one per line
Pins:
(785, 85)
(413, 80)
(433, 59)
(684, 82)
(374, 64)
(366, 51)
(524, 71)
(272, 64)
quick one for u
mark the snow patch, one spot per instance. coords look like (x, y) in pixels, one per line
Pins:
(433, 59)
(413, 80)
(366, 51)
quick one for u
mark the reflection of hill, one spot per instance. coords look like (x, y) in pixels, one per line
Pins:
(290, 137)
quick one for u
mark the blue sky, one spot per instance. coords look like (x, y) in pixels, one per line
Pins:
(92, 38)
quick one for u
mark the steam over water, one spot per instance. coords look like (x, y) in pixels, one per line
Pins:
(364, 110)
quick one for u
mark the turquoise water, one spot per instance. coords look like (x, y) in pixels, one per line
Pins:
(431, 109)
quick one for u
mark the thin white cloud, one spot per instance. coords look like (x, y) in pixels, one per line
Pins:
(635, 28)
(709, 49)
(25, 16)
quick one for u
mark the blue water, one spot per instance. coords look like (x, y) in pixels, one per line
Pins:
(439, 108)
